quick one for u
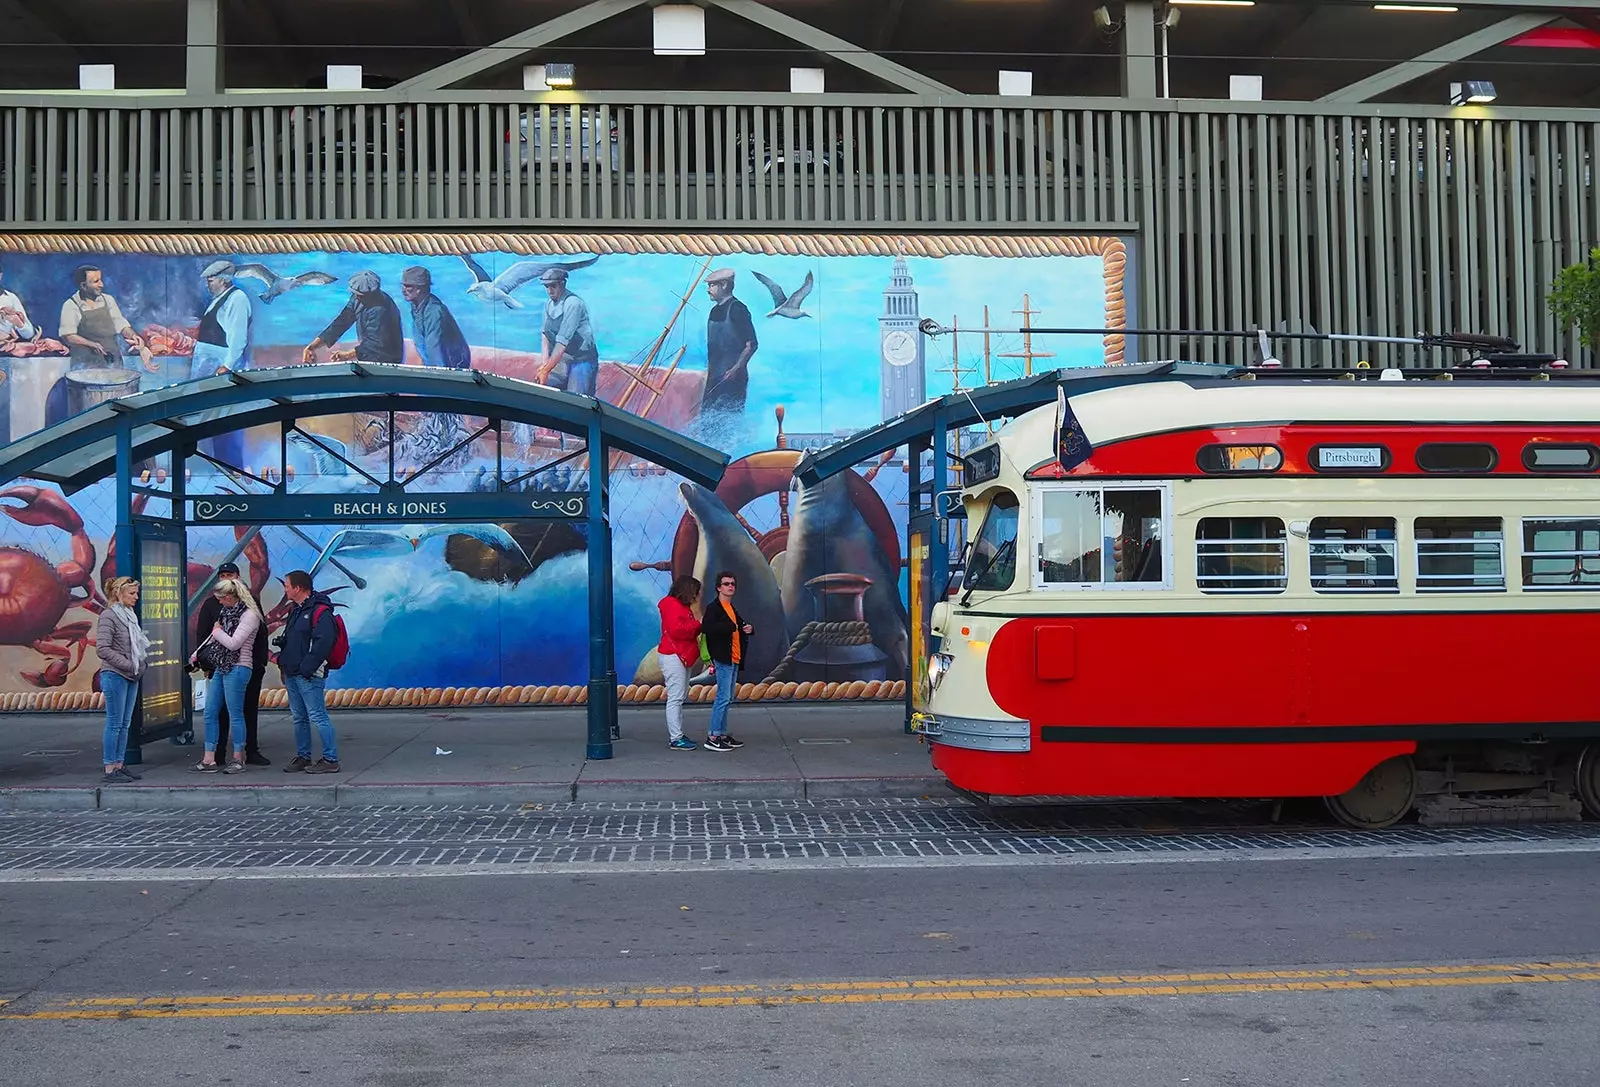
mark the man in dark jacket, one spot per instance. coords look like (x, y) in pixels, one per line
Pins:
(377, 323)
(303, 648)
(210, 612)
(434, 329)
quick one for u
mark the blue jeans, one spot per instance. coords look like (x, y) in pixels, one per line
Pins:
(229, 688)
(308, 704)
(120, 694)
(727, 683)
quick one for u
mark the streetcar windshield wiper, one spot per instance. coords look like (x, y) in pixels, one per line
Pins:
(983, 571)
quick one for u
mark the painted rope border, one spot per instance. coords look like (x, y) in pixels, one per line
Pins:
(275, 698)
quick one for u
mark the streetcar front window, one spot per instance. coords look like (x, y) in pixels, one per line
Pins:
(1095, 537)
(993, 562)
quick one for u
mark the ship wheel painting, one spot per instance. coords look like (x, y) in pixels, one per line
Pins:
(820, 582)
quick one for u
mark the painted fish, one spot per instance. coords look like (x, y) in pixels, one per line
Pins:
(725, 545)
(828, 535)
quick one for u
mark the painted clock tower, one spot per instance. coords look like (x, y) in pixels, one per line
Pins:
(901, 345)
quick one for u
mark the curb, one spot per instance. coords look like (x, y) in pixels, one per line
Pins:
(419, 794)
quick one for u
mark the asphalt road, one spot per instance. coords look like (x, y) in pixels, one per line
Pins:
(1420, 970)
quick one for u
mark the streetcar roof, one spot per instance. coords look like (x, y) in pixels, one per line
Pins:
(1133, 411)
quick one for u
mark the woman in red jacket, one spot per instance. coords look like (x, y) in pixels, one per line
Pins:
(679, 652)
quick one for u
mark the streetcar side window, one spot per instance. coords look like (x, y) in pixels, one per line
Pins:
(1101, 536)
(1241, 555)
(1460, 555)
(999, 530)
(1560, 555)
(1353, 555)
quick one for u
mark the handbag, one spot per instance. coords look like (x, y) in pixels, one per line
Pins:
(212, 655)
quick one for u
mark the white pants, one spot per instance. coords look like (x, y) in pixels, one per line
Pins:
(676, 677)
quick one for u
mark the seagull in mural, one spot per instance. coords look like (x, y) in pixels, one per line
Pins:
(360, 543)
(493, 289)
(788, 305)
(277, 284)
(365, 543)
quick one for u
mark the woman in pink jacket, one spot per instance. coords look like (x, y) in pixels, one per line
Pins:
(679, 652)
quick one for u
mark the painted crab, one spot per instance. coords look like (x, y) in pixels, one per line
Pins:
(35, 594)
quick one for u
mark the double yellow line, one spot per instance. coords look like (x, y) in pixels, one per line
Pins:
(456, 1001)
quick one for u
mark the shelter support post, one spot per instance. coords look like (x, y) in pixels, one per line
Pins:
(602, 656)
(127, 560)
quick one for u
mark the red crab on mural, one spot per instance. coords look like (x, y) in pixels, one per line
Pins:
(35, 595)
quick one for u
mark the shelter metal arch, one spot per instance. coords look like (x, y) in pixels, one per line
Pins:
(111, 438)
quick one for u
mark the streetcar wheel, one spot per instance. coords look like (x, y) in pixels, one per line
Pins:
(1589, 780)
(1381, 799)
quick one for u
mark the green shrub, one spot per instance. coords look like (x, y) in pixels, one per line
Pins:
(1575, 298)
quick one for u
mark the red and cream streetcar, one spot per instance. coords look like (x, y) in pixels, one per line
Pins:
(1380, 592)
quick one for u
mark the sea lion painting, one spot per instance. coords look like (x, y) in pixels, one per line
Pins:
(725, 545)
(828, 536)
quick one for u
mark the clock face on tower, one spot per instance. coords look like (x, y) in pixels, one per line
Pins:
(899, 348)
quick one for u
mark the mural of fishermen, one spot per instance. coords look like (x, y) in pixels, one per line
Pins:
(571, 356)
(730, 342)
(434, 330)
(376, 320)
(820, 571)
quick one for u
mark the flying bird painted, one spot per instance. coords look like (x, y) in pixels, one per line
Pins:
(788, 305)
(277, 284)
(360, 543)
(498, 288)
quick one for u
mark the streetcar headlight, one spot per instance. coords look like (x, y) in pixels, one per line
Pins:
(938, 665)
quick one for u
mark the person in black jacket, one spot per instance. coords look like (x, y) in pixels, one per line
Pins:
(727, 637)
(303, 648)
(210, 611)
(377, 323)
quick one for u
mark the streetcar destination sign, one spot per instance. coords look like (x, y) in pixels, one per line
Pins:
(329, 509)
(1350, 456)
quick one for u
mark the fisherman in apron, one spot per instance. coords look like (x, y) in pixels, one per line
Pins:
(95, 331)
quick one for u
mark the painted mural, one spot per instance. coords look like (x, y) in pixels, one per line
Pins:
(761, 345)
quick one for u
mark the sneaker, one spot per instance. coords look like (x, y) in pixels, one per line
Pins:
(731, 744)
(111, 777)
(207, 768)
(235, 766)
(683, 743)
(256, 758)
(129, 774)
(715, 743)
(297, 764)
(323, 766)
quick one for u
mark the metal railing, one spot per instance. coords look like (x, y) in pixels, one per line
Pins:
(1278, 216)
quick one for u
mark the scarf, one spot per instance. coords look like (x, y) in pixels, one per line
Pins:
(137, 638)
(226, 658)
(734, 619)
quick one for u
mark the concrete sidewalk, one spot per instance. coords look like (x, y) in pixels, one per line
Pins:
(496, 756)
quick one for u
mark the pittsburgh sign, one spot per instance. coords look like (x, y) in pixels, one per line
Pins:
(363, 509)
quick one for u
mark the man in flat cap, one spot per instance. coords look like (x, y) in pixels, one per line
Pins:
(223, 341)
(571, 357)
(433, 327)
(730, 341)
(222, 345)
(377, 322)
